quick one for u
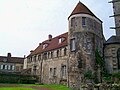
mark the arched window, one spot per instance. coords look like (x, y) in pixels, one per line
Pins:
(118, 57)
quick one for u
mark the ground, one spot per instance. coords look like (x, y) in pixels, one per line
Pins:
(32, 87)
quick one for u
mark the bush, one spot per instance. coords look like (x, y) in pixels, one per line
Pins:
(14, 78)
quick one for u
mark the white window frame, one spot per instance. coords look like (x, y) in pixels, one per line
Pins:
(6, 67)
(13, 67)
(9, 67)
(1, 67)
(72, 44)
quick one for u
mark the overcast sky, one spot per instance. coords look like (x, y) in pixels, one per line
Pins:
(26, 23)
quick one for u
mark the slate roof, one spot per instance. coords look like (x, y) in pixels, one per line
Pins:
(113, 40)
(11, 59)
(52, 44)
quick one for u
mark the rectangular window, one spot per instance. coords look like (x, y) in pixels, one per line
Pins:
(1, 67)
(13, 67)
(73, 21)
(83, 21)
(35, 58)
(51, 73)
(51, 54)
(54, 72)
(5, 67)
(63, 71)
(72, 44)
(8, 67)
(45, 55)
(34, 70)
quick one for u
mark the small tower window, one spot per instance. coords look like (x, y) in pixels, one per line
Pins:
(72, 44)
(83, 21)
(72, 21)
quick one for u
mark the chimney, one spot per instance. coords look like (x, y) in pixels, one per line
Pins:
(24, 56)
(40, 44)
(31, 51)
(49, 37)
(9, 55)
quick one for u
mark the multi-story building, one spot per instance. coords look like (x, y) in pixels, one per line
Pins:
(64, 58)
(112, 45)
(9, 64)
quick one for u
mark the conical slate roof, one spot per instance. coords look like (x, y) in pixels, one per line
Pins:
(81, 9)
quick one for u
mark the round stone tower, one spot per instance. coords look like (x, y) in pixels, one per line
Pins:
(85, 35)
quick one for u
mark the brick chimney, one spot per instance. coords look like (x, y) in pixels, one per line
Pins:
(49, 37)
(31, 51)
(8, 56)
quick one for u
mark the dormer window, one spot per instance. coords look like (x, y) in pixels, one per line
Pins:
(45, 45)
(62, 39)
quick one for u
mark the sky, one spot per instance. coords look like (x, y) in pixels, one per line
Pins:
(26, 23)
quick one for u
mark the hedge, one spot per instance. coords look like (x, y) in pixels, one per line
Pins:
(15, 78)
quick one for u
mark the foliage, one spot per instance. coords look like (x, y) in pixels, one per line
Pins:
(88, 74)
(99, 59)
(14, 78)
(117, 75)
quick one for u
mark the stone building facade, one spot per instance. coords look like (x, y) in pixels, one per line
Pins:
(112, 45)
(9, 64)
(64, 58)
(49, 60)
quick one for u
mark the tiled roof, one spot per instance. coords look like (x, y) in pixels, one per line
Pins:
(113, 40)
(82, 9)
(12, 59)
(52, 44)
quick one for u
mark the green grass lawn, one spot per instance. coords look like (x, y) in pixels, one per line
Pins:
(56, 87)
(15, 88)
(23, 87)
